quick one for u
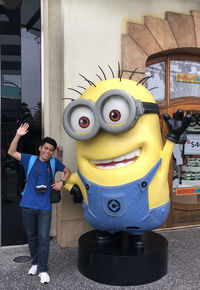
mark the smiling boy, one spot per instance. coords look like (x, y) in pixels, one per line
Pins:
(35, 204)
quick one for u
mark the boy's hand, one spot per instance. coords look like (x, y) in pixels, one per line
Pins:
(57, 185)
(23, 129)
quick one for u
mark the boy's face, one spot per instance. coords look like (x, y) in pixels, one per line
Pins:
(46, 152)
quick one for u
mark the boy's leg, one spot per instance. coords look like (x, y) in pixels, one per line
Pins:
(30, 223)
(44, 223)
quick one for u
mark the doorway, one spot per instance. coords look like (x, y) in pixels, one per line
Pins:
(177, 79)
(20, 102)
(185, 176)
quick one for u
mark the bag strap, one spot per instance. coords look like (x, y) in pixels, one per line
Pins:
(52, 168)
(30, 165)
(53, 165)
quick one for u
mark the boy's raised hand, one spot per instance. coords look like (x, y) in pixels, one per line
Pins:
(23, 129)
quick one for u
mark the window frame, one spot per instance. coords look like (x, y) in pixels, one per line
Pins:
(167, 58)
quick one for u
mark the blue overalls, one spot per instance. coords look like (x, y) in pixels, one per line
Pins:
(124, 207)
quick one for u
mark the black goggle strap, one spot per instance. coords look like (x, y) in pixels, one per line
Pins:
(150, 108)
(36, 175)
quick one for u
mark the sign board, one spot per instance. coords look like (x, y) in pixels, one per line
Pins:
(188, 78)
(187, 190)
(192, 145)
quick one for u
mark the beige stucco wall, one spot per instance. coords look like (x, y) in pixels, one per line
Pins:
(51, 77)
(79, 35)
(92, 36)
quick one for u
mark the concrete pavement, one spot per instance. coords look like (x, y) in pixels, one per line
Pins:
(183, 267)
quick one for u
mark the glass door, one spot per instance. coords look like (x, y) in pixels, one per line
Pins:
(175, 83)
(20, 102)
(186, 175)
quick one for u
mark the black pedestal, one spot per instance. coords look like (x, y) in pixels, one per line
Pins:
(119, 262)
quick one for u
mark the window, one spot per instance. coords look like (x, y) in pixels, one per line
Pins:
(184, 79)
(157, 80)
(173, 77)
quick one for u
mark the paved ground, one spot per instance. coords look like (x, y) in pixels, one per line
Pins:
(183, 267)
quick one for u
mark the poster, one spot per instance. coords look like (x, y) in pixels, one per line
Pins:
(187, 190)
(192, 145)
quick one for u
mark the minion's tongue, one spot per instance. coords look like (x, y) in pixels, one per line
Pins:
(113, 163)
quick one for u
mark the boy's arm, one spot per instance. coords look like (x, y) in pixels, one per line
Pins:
(58, 185)
(12, 151)
(66, 175)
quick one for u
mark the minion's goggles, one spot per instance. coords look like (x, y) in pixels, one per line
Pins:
(115, 112)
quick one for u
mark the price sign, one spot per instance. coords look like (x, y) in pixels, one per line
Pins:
(192, 145)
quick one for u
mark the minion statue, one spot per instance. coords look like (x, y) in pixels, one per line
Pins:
(122, 164)
(122, 176)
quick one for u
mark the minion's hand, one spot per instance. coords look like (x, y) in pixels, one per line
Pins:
(77, 195)
(177, 125)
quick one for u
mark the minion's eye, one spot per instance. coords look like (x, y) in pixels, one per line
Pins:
(115, 110)
(82, 119)
(84, 122)
(115, 115)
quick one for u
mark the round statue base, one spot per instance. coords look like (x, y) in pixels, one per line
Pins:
(119, 262)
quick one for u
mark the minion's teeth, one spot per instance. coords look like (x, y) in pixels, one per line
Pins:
(119, 165)
(117, 159)
(101, 167)
(132, 154)
(101, 161)
(129, 162)
(108, 167)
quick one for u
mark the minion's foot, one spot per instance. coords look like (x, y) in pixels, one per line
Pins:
(106, 237)
(136, 241)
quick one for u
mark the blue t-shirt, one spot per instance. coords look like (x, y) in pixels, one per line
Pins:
(32, 198)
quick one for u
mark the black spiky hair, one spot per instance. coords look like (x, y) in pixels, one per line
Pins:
(120, 74)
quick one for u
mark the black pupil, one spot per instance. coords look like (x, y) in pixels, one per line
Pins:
(115, 115)
(84, 122)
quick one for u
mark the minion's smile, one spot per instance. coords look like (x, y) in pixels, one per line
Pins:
(117, 162)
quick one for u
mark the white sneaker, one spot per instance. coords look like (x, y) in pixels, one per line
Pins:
(33, 270)
(44, 277)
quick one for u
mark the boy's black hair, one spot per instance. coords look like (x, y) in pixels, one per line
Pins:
(49, 140)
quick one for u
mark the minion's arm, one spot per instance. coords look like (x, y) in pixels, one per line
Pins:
(76, 188)
(166, 157)
(177, 125)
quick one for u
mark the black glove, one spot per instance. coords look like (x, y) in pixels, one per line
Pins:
(77, 195)
(177, 125)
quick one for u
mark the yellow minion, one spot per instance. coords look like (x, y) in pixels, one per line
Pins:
(122, 164)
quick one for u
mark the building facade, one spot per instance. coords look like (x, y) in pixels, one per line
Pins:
(157, 37)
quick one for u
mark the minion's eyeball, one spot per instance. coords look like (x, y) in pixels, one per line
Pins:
(79, 120)
(82, 119)
(115, 111)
